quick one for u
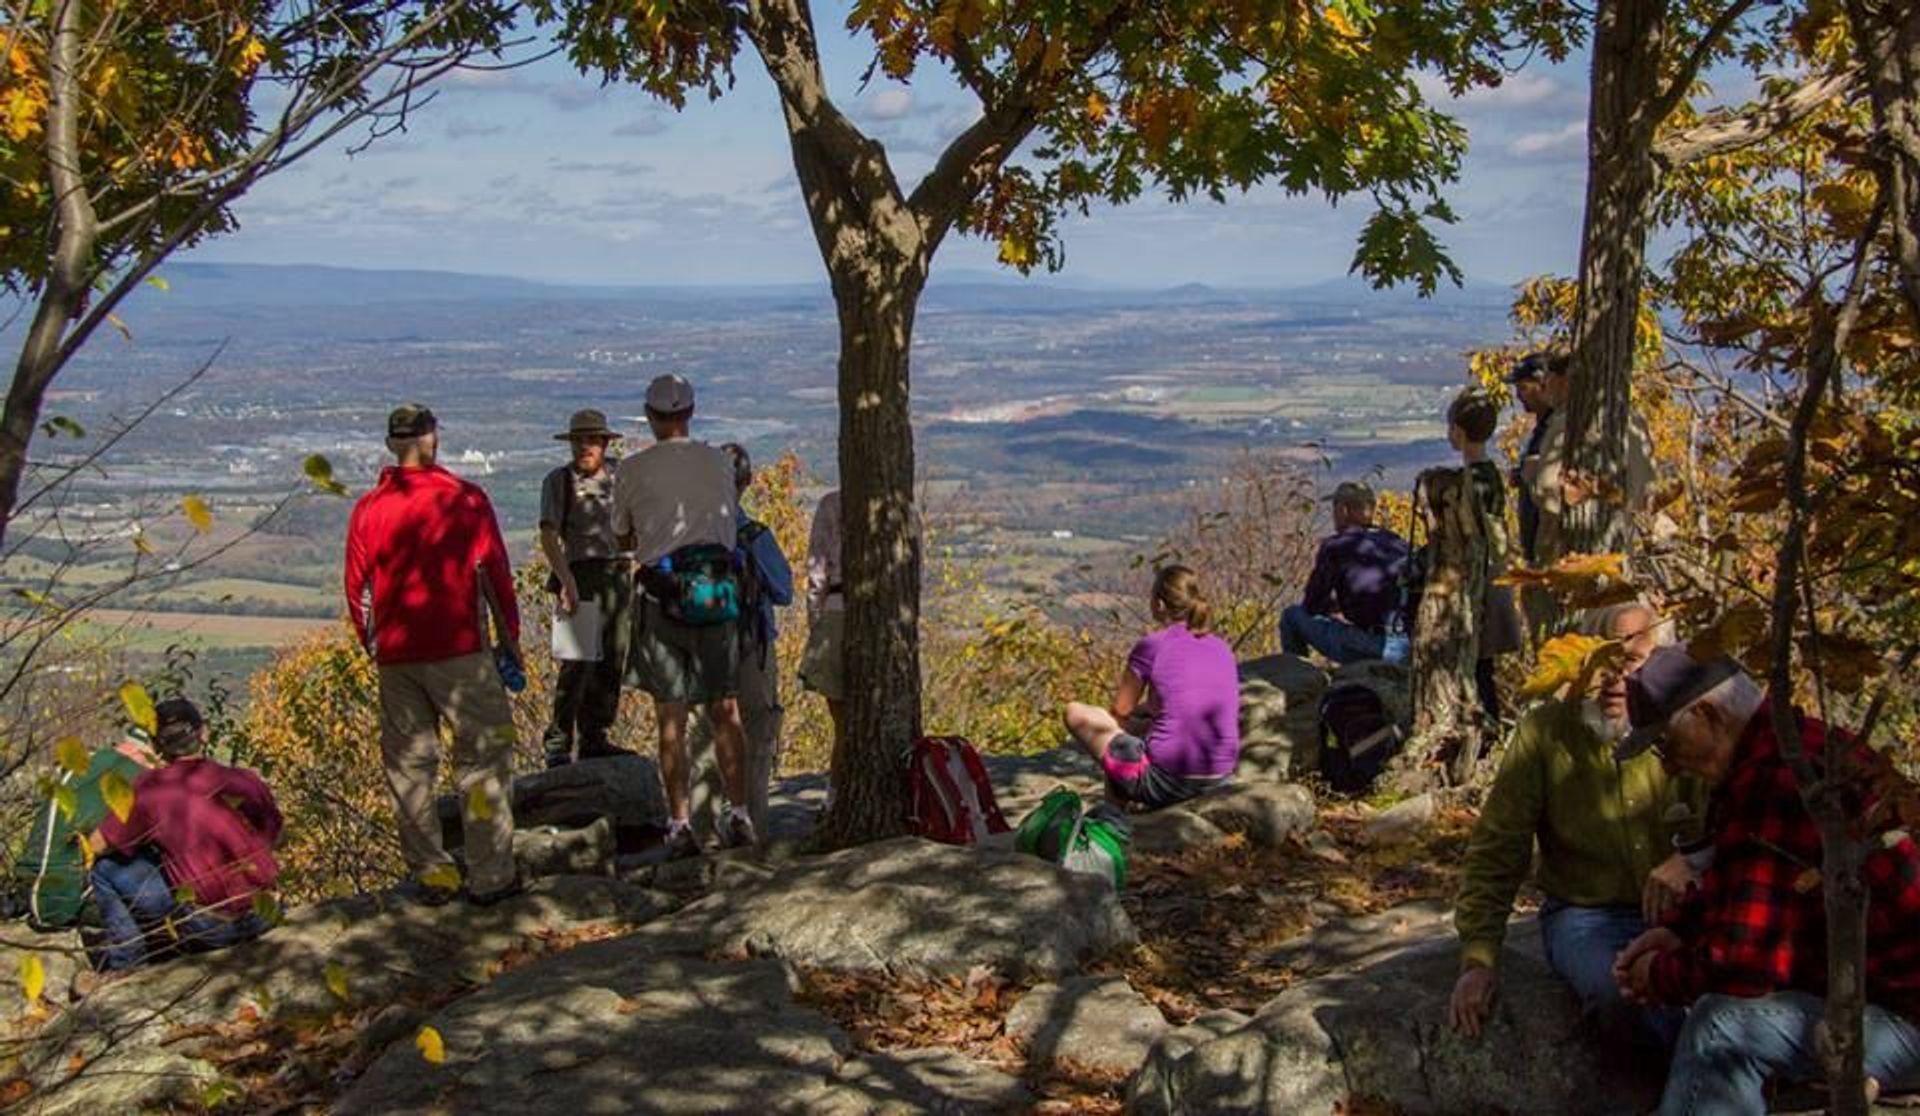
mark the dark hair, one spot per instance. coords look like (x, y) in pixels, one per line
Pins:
(177, 723)
(1177, 589)
(742, 465)
(1475, 413)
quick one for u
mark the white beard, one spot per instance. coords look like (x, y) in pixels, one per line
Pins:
(1610, 730)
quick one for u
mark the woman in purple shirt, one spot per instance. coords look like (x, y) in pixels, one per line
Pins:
(1182, 689)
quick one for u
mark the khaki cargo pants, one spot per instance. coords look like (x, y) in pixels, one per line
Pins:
(466, 693)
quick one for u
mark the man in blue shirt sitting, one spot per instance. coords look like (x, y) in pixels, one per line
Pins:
(1353, 595)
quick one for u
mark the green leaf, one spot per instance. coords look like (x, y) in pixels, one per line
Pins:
(139, 705)
(320, 472)
(66, 800)
(336, 977)
(158, 283)
(61, 424)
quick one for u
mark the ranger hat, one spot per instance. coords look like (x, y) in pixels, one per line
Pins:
(411, 420)
(1661, 689)
(586, 423)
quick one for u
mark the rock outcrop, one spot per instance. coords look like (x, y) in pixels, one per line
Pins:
(1378, 1031)
(1280, 717)
(624, 790)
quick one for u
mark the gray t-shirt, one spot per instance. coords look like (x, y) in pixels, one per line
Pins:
(586, 528)
(674, 494)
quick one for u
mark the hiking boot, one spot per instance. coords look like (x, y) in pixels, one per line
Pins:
(418, 891)
(738, 832)
(682, 844)
(489, 898)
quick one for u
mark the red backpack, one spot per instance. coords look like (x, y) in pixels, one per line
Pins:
(949, 796)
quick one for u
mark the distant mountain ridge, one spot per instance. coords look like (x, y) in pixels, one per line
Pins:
(198, 287)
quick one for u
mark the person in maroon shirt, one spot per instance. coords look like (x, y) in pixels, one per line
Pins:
(185, 865)
(1748, 948)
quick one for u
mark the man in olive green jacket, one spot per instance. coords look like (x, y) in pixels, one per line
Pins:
(1607, 832)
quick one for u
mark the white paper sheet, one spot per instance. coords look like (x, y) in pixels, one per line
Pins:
(576, 638)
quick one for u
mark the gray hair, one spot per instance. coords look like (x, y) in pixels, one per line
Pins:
(1600, 621)
(1738, 697)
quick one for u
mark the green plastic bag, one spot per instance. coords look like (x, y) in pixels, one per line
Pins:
(1063, 831)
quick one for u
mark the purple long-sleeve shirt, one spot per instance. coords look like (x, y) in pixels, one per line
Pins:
(1357, 574)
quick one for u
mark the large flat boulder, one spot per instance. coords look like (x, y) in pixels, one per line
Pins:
(914, 906)
(1379, 1031)
(624, 790)
(1269, 814)
(616, 1027)
(110, 1052)
(1280, 717)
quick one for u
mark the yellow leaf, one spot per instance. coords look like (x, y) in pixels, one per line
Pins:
(443, 876)
(1569, 662)
(198, 513)
(118, 794)
(336, 975)
(1806, 881)
(431, 1047)
(139, 705)
(126, 333)
(33, 977)
(141, 544)
(72, 755)
(479, 805)
(1096, 108)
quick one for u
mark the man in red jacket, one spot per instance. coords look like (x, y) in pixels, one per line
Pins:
(424, 563)
(1747, 949)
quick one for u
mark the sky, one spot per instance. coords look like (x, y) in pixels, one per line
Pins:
(542, 173)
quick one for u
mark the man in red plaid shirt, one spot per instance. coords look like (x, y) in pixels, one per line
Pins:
(1748, 948)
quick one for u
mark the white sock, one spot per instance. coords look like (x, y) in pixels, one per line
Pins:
(741, 813)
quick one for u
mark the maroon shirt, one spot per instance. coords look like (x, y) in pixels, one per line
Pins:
(214, 826)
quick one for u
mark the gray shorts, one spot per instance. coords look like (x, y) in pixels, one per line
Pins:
(1132, 776)
(682, 664)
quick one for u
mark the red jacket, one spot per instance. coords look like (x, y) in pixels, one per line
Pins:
(214, 825)
(416, 546)
(1758, 922)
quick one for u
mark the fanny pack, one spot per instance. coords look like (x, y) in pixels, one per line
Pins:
(695, 585)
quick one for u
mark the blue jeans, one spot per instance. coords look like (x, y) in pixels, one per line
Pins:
(1581, 943)
(135, 902)
(1338, 640)
(1731, 1045)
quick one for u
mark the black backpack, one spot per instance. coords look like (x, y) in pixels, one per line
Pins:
(1357, 737)
(753, 587)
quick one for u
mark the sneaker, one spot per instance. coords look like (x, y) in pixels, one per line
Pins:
(682, 843)
(739, 832)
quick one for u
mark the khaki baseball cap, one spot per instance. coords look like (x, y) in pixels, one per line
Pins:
(411, 420)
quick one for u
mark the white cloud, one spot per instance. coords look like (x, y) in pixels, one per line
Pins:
(889, 104)
(463, 128)
(1563, 142)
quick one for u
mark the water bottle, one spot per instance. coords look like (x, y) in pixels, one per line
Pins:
(1397, 648)
(511, 676)
(665, 564)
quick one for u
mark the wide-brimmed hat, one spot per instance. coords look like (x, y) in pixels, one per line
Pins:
(1661, 689)
(586, 423)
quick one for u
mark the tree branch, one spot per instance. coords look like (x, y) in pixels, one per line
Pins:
(1734, 129)
(1681, 83)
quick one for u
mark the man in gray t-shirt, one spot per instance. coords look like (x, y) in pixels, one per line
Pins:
(576, 533)
(675, 500)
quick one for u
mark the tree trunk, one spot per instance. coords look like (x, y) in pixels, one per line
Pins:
(1447, 723)
(881, 557)
(65, 292)
(1886, 34)
(1625, 113)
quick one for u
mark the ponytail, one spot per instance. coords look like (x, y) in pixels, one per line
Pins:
(1177, 590)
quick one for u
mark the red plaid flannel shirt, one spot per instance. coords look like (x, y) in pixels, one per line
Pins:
(1757, 922)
